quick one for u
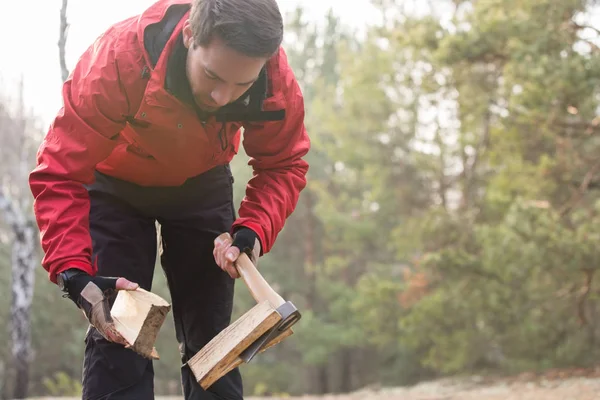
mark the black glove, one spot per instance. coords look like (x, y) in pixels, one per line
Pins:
(91, 295)
(247, 241)
(77, 280)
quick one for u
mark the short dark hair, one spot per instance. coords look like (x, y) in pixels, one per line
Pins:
(251, 27)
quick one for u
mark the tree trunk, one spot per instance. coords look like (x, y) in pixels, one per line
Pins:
(309, 249)
(442, 178)
(319, 377)
(345, 370)
(322, 380)
(23, 267)
(23, 261)
(62, 41)
(3, 381)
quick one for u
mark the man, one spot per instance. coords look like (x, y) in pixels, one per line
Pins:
(151, 119)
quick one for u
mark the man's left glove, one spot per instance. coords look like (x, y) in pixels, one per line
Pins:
(228, 249)
(91, 295)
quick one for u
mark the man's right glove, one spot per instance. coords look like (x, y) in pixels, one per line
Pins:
(91, 295)
(247, 241)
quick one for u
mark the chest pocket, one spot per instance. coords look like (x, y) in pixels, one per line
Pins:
(129, 136)
(227, 141)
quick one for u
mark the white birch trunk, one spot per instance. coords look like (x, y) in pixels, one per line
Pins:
(18, 144)
(23, 261)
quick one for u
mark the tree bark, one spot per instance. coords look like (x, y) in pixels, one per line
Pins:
(322, 385)
(345, 361)
(309, 249)
(319, 377)
(3, 381)
(23, 267)
(18, 154)
(62, 41)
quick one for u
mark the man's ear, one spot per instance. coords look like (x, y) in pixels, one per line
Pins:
(188, 37)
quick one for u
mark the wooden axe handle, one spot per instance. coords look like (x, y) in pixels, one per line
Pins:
(258, 286)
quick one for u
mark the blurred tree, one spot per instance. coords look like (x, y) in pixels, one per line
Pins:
(507, 265)
(19, 135)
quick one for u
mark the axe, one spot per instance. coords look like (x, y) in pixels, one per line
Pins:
(263, 326)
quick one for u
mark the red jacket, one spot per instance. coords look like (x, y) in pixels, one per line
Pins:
(118, 118)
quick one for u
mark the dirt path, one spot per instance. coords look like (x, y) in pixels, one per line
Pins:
(572, 384)
(577, 388)
(570, 389)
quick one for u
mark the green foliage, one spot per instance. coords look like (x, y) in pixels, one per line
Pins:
(511, 292)
(61, 384)
(375, 306)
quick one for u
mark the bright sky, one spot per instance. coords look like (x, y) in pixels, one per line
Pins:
(29, 34)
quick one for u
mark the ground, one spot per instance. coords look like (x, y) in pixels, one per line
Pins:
(567, 389)
(553, 385)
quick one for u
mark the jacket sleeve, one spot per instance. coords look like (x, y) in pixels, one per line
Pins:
(276, 150)
(82, 135)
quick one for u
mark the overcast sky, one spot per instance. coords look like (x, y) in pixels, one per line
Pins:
(29, 34)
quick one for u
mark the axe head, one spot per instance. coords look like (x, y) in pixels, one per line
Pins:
(289, 316)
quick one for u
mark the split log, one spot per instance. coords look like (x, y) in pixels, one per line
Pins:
(138, 316)
(221, 354)
(226, 350)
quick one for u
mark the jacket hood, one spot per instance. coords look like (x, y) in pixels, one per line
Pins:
(153, 20)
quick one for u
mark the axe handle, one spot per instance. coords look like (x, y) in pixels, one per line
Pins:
(258, 286)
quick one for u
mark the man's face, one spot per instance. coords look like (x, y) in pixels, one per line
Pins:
(218, 74)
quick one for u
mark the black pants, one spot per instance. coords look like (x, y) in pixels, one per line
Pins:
(122, 225)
